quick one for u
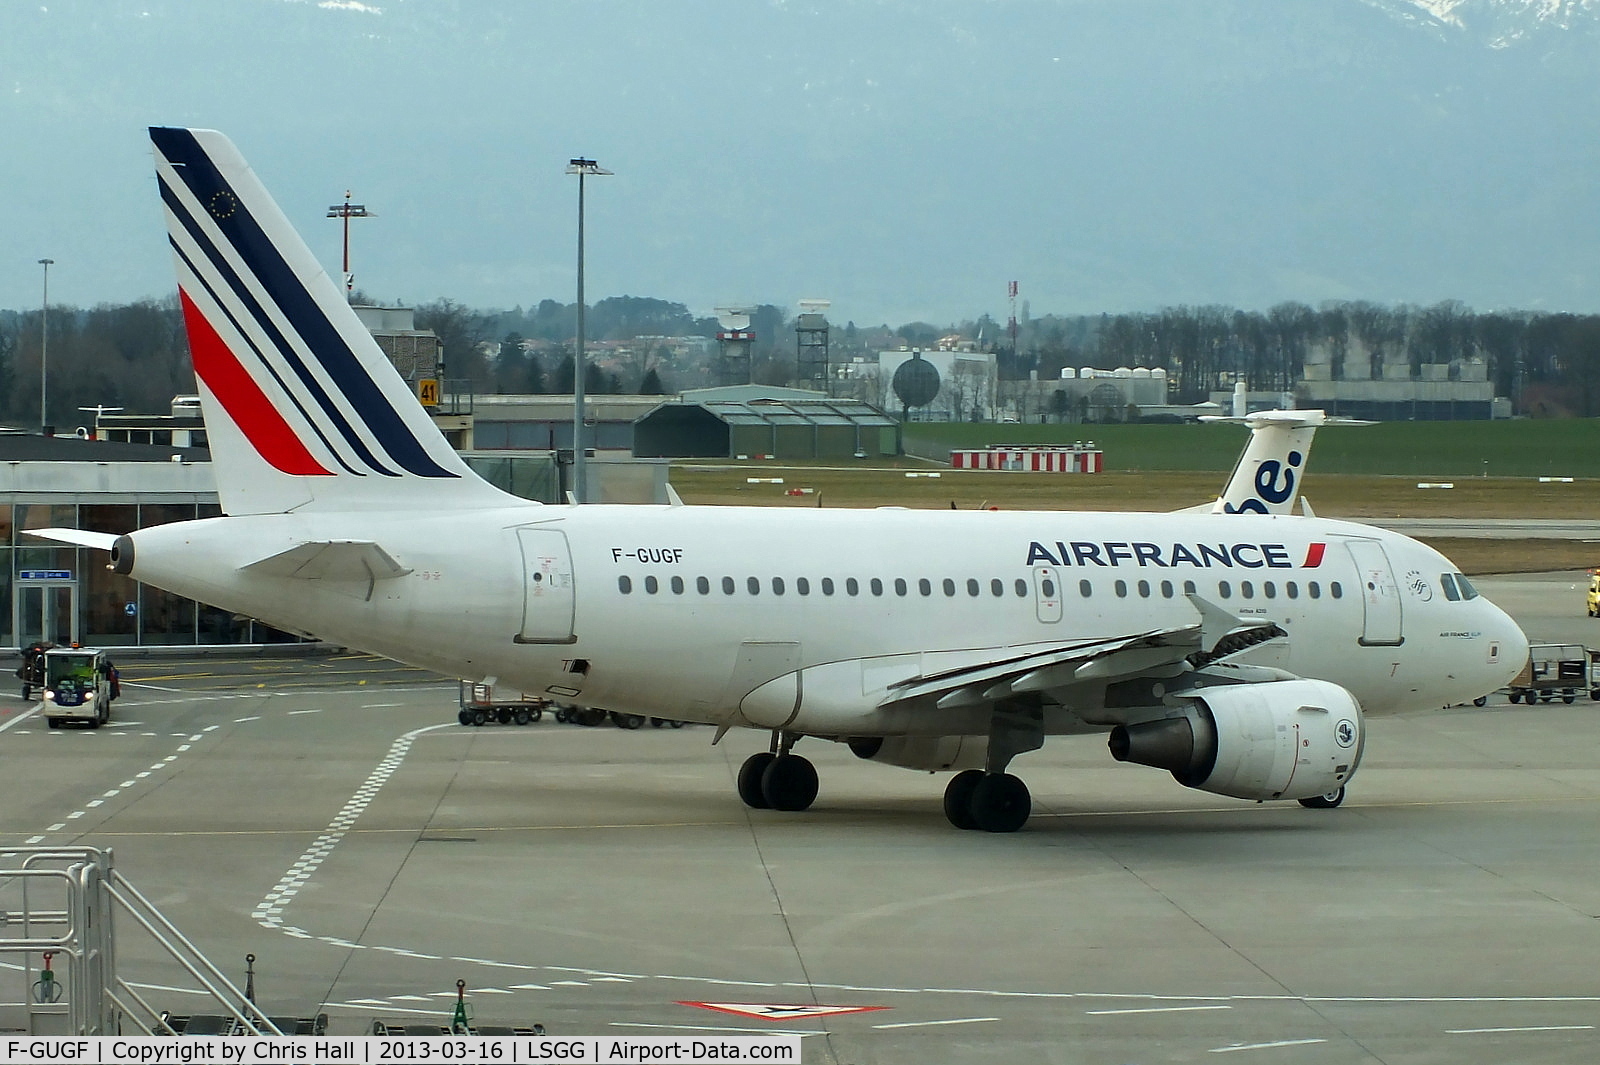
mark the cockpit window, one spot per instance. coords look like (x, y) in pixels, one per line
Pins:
(1448, 583)
(1467, 590)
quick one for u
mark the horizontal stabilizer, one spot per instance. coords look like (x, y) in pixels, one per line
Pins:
(80, 537)
(331, 560)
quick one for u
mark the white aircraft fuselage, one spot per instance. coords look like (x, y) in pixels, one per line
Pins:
(670, 646)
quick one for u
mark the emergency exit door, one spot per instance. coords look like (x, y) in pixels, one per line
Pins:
(1380, 595)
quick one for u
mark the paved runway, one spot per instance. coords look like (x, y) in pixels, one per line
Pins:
(331, 818)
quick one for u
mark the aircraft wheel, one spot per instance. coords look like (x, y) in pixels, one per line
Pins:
(958, 798)
(1482, 700)
(1324, 802)
(750, 774)
(626, 721)
(790, 783)
(1000, 803)
(675, 723)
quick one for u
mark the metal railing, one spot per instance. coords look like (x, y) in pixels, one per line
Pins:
(70, 901)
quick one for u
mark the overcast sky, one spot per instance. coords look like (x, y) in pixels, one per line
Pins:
(903, 158)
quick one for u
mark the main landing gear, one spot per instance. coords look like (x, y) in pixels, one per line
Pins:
(778, 779)
(993, 802)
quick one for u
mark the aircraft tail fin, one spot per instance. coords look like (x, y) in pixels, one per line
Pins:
(1266, 479)
(302, 408)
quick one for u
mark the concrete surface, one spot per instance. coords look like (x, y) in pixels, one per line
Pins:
(330, 817)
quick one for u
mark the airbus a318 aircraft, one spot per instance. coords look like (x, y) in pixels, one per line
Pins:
(1237, 646)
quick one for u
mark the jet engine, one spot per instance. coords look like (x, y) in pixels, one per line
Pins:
(929, 753)
(1289, 739)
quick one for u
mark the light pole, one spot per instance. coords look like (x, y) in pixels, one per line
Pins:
(347, 211)
(44, 350)
(583, 168)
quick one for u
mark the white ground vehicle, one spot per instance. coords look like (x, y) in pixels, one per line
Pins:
(79, 684)
(1555, 671)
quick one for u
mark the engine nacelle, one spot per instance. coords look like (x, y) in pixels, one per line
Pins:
(923, 752)
(1288, 739)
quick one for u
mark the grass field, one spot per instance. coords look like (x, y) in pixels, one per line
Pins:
(1331, 495)
(1425, 451)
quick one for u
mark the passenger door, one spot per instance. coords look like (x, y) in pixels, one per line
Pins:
(548, 601)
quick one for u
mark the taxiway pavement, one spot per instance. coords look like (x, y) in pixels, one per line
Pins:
(331, 818)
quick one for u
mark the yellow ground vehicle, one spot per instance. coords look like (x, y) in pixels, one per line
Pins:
(1594, 593)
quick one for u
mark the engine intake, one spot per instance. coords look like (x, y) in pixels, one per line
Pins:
(1290, 739)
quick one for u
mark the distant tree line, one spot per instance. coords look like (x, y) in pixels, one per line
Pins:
(135, 355)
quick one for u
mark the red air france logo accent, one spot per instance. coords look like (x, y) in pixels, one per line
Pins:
(243, 399)
(1314, 555)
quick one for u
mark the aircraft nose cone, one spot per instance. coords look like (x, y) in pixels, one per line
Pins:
(1513, 647)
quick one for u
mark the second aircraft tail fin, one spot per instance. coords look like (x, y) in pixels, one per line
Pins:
(1266, 479)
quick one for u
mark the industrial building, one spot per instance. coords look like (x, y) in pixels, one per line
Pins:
(749, 420)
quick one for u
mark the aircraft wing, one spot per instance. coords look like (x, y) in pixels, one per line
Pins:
(1162, 653)
(347, 560)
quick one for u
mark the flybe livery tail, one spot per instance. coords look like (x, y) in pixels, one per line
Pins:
(1266, 479)
(302, 409)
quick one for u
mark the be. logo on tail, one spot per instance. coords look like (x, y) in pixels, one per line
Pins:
(1273, 484)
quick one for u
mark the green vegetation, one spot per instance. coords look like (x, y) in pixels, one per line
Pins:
(1567, 447)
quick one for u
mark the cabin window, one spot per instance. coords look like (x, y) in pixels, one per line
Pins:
(1121, 588)
(1085, 589)
(1224, 589)
(827, 586)
(899, 586)
(1047, 588)
(998, 587)
(1293, 589)
(925, 586)
(777, 586)
(802, 586)
(1314, 590)
(1144, 589)
(624, 585)
(949, 586)
(702, 585)
(1336, 589)
(1247, 590)
(1189, 588)
(753, 584)
(1166, 590)
(1022, 589)
(852, 586)
(974, 589)
(677, 586)
(727, 586)
(651, 585)
(876, 586)
(1269, 589)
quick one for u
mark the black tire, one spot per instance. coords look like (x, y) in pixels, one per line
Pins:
(464, 716)
(27, 690)
(1594, 695)
(1001, 803)
(563, 715)
(958, 798)
(656, 722)
(522, 717)
(53, 722)
(1569, 697)
(626, 721)
(589, 716)
(750, 774)
(1482, 700)
(1324, 802)
(537, 714)
(790, 783)
(675, 723)
(480, 717)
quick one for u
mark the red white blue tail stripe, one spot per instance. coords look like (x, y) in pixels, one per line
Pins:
(281, 358)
